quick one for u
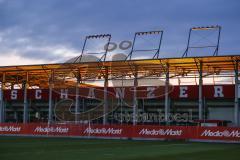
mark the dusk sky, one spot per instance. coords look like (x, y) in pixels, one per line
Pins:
(49, 31)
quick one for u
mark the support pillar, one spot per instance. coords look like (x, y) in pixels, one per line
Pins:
(135, 102)
(2, 110)
(166, 106)
(200, 99)
(50, 97)
(77, 111)
(25, 102)
(236, 103)
(105, 105)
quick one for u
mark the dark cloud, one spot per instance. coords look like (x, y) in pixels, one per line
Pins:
(48, 24)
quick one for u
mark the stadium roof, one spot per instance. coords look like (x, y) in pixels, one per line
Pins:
(39, 74)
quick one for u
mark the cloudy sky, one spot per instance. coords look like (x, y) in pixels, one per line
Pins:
(48, 31)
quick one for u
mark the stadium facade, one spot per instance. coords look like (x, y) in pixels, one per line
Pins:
(35, 99)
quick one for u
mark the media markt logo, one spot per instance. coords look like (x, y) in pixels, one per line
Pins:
(161, 132)
(111, 131)
(225, 133)
(10, 129)
(51, 130)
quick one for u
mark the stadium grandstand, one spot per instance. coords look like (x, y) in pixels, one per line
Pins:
(189, 90)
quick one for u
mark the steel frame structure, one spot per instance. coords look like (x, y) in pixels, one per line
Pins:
(156, 50)
(216, 46)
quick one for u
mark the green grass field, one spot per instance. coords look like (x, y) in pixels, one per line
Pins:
(21, 148)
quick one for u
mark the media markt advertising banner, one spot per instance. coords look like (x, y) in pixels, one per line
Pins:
(123, 131)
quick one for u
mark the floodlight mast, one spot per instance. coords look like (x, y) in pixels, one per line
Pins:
(156, 55)
(217, 27)
(98, 36)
